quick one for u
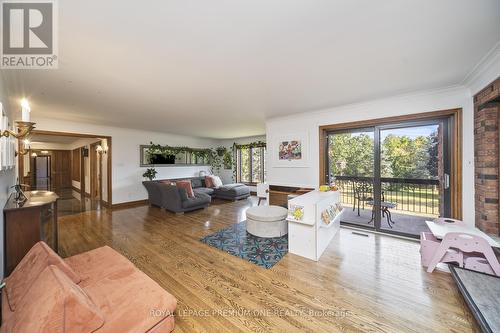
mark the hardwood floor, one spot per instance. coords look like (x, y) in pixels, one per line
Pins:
(369, 284)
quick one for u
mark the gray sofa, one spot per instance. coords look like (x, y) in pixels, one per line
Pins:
(167, 196)
(174, 199)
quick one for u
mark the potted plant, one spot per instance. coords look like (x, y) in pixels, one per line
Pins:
(220, 150)
(150, 174)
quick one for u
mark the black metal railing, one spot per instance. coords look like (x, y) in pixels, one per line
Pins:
(411, 195)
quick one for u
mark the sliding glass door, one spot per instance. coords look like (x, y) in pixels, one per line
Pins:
(393, 177)
(351, 156)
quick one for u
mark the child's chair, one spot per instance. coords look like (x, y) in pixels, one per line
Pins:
(465, 243)
(429, 246)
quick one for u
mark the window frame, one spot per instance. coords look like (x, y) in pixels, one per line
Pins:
(262, 152)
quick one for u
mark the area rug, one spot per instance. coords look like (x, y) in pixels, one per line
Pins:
(235, 240)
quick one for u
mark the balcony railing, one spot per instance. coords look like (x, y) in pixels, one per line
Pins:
(420, 196)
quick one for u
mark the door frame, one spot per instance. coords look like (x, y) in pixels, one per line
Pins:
(109, 153)
(95, 164)
(455, 143)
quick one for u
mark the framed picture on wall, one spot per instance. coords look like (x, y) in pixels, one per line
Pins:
(291, 150)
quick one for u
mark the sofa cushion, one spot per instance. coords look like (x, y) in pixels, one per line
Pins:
(185, 184)
(131, 303)
(199, 200)
(129, 300)
(232, 190)
(54, 304)
(204, 190)
(96, 264)
(196, 182)
(29, 268)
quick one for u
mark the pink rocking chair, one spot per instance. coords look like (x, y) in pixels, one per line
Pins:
(472, 247)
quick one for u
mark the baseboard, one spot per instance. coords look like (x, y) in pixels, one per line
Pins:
(130, 204)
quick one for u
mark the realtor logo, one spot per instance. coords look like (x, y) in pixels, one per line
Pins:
(28, 34)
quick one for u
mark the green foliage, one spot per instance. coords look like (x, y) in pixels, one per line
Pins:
(228, 160)
(351, 155)
(221, 150)
(209, 155)
(404, 157)
(401, 156)
(150, 174)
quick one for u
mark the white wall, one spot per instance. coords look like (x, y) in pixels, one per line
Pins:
(126, 172)
(7, 178)
(456, 97)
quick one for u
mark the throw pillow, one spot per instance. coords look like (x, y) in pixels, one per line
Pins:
(209, 182)
(185, 184)
(54, 303)
(217, 181)
(29, 268)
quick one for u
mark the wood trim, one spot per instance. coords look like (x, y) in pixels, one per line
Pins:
(109, 153)
(130, 204)
(93, 156)
(456, 147)
(78, 135)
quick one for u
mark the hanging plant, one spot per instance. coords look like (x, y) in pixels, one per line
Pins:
(221, 150)
(208, 155)
(227, 160)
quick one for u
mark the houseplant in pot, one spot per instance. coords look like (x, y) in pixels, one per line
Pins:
(150, 174)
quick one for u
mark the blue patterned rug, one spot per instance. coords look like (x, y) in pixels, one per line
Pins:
(235, 240)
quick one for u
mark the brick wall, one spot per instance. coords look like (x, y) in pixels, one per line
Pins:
(486, 157)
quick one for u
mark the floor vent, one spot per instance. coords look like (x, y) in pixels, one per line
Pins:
(359, 234)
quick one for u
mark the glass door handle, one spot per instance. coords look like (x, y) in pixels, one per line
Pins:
(446, 180)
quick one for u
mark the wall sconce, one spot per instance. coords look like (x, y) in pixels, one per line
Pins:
(24, 126)
(34, 155)
(101, 150)
(25, 148)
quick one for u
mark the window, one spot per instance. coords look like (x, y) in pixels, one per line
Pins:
(250, 164)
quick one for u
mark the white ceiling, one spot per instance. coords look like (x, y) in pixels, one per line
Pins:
(220, 68)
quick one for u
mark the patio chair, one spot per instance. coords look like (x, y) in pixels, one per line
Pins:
(470, 245)
(363, 192)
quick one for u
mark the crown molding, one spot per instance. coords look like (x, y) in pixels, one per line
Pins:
(485, 72)
(447, 90)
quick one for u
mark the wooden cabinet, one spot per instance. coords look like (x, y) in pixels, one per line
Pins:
(278, 195)
(27, 223)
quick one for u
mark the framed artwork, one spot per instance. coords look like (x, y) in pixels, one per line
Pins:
(290, 150)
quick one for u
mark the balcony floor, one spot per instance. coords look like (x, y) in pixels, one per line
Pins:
(404, 223)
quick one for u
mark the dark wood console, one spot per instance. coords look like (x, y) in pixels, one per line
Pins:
(278, 195)
(27, 223)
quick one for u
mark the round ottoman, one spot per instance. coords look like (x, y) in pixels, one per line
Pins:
(267, 221)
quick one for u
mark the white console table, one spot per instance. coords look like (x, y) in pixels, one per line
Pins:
(313, 220)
